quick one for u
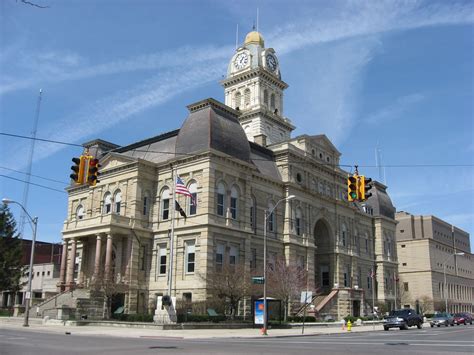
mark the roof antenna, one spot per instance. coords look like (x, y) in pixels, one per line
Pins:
(237, 37)
(257, 19)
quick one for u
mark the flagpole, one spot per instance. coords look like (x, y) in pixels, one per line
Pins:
(172, 211)
(373, 297)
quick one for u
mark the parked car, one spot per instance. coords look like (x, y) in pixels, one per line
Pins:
(442, 318)
(462, 318)
(403, 318)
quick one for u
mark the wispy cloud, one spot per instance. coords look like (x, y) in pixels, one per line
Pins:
(337, 91)
(395, 110)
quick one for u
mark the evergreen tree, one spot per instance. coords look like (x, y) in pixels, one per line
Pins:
(11, 268)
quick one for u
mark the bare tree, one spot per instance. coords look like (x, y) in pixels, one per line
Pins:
(426, 304)
(230, 284)
(109, 288)
(286, 281)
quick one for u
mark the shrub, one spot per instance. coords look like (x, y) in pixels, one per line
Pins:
(133, 317)
(299, 319)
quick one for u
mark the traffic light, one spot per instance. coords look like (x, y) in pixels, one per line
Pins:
(93, 171)
(352, 191)
(78, 170)
(364, 187)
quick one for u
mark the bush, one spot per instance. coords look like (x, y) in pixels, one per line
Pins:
(300, 319)
(197, 318)
(351, 318)
(6, 312)
(133, 317)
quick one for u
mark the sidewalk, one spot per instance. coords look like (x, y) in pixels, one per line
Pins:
(124, 332)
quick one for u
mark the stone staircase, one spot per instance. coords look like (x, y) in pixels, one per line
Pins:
(80, 303)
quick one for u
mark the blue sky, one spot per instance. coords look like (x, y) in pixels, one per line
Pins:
(390, 75)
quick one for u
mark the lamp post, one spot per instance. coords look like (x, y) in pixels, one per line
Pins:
(32, 255)
(267, 214)
(445, 284)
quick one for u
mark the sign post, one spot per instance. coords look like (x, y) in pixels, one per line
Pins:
(305, 297)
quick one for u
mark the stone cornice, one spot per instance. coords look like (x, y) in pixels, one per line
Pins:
(254, 73)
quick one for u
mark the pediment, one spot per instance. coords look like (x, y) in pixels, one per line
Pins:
(114, 160)
(323, 141)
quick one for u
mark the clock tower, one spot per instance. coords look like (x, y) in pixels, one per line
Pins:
(254, 87)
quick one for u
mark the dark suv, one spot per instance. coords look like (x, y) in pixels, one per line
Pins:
(403, 318)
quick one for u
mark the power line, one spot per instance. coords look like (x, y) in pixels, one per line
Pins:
(36, 176)
(40, 139)
(257, 159)
(31, 183)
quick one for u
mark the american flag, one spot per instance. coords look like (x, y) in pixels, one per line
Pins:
(183, 190)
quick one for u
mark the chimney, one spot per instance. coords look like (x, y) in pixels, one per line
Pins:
(260, 139)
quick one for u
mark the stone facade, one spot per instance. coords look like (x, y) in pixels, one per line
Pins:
(124, 224)
(430, 249)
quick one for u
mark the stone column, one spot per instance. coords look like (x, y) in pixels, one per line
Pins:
(62, 270)
(108, 257)
(128, 252)
(82, 266)
(70, 267)
(98, 247)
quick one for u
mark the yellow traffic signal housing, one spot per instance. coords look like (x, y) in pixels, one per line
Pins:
(352, 188)
(364, 187)
(78, 170)
(93, 171)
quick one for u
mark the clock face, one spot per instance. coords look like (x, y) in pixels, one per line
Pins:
(271, 62)
(241, 60)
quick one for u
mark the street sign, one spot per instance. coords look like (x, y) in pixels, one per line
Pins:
(27, 295)
(258, 280)
(306, 296)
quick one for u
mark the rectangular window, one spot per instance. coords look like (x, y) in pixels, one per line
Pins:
(403, 246)
(233, 207)
(253, 258)
(233, 256)
(142, 257)
(166, 209)
(220, 204)
(108, 208)
(405, 286)
(325, 275)
(162, 260)
(219, 256)
(366, 245)
(190, 256)
(252, 218)
(346, 277)
(369, 282)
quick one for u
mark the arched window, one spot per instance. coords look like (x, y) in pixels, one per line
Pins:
(343, 235)
(146, 202)
(238, 98)
(234, 196)
(80, 212)
(220, 199)
(165, 203)
(272, 101)
(265, 97)
(253, 213)
(107, 202)
(192, 201)
(117, 201)
(298, 221)
(247, 97)
(271, 218)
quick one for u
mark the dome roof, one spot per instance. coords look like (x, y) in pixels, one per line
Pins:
(254, 37)
(213, 125)
(380, 201)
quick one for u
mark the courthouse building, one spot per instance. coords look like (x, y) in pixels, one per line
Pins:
(238, 159)
(436, 264)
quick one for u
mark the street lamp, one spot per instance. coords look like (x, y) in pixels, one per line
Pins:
(445, 285)
(267, 214)
(32, 255)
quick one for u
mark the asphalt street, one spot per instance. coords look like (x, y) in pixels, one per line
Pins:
(450, 340)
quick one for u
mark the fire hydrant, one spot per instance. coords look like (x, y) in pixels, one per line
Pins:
(349, 325)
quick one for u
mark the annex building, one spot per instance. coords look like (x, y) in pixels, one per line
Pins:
(238, 159)
(436, 264)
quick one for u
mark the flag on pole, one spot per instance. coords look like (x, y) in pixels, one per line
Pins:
(183, 190)
(178, 208)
